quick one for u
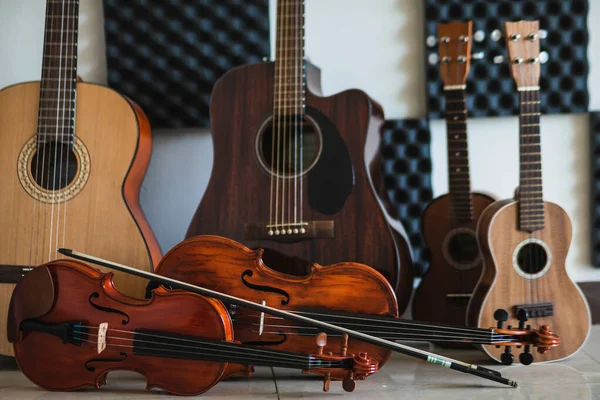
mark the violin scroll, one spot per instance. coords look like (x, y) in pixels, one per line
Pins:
(355, 366)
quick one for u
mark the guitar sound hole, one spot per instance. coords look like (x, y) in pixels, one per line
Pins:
(461, 249)
(289, 145)
(532, 258)
(53, 166)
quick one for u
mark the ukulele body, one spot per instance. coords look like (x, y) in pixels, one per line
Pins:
(223, 265)
(338, 197)
(542, 286)
(103, 215)
(455, 267)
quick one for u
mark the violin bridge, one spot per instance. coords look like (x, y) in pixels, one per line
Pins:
(102, 329)
(262, 320)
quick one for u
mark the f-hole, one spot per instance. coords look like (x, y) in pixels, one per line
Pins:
(95, 295)
(249, 273)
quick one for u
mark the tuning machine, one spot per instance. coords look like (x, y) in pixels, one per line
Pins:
(542, 58)
(541, 34)
(434, 58)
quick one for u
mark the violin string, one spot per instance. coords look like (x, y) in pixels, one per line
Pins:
(219, 349)
(398, 335)
(381, 322)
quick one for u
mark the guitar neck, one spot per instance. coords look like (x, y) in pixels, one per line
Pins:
(56, 118)
(290, 70)
(458, 154)
(531, 202)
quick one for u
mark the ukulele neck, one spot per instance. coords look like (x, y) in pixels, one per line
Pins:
(458, 154)
(531, 202)
(56, 117)
(290, 69)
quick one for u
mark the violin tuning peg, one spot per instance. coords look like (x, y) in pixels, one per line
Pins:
(349, 384)
(522, 317)
(496, 35)
(326, 382)
(479, 36)
(433, 59)
(507, 357)
(526, 357)
(501, 316)
(477, 56)
(499, 59)
(321, 340)
(344, 347)
(431, 41)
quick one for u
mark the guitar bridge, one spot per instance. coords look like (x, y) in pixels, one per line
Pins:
(536, 310)
(292, 232)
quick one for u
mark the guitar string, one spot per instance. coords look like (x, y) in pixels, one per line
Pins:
(302, 108)
(72, 104)
(34, 236)
(297, 114)
(280, 62)
(273, 129)
(285, 116)
(60, 82)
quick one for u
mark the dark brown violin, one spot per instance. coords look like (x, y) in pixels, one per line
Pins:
(70, 326)
(349, 295)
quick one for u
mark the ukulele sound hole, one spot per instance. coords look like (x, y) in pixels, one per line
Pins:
(54, 166)
(461, 249)
(532, 259)
(288, 145)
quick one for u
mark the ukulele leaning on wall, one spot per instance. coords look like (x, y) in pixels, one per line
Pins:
(77, 179)
(292, 171)
(524, 242)
(449, 221)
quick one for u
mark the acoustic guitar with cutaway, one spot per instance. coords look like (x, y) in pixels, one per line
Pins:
(524, 241)
(449, 221)
(73, 156)
(294, 172)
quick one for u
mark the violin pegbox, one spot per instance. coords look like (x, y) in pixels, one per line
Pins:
(454, 47)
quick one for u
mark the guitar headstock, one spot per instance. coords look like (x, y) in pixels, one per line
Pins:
(454, 46)
(523, 46)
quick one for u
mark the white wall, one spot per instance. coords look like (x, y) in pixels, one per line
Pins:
(373, 45)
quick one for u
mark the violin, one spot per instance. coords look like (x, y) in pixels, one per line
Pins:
(349, 295)
(70, 326)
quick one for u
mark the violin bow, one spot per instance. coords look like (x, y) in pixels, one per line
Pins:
(228, 299)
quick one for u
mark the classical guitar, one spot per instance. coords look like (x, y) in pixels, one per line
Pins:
(73, 156)
(449, 221)
(524, 242)
(292, 170)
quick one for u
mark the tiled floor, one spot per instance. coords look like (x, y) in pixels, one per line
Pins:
(401, 378)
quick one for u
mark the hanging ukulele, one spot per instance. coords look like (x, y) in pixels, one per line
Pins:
(524, 242)
(79, 176)
(449, 221)
(292, 171)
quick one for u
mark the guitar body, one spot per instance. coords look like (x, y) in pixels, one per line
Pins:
(103, 216)
(455, 266)
(338, 189)
(505, 285)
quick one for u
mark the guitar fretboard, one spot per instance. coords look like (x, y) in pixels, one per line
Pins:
(56, 116)
(458, 154)
(531, 202)
(289, 59)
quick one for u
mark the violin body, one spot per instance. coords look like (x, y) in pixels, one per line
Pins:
(446, 287)
(338, 199)
(103, 216)
(502, 286)
(90, 296)
(223, 265)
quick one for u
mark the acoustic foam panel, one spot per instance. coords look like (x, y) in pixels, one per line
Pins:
(594, 119)
(166, 55)
(406, 163)
(491, 90)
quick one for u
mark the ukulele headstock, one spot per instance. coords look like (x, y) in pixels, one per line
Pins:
(523, 46)
(454, 47)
